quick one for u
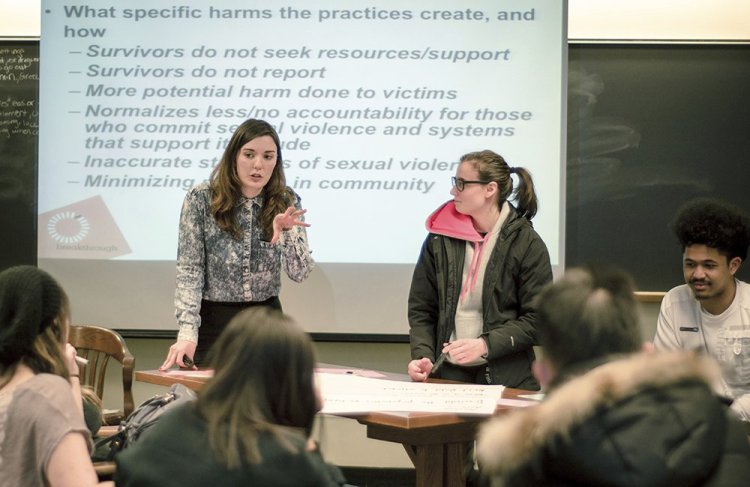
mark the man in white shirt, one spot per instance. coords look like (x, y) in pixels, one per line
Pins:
(711, 312)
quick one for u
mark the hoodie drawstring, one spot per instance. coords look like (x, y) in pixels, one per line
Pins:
(471, 276)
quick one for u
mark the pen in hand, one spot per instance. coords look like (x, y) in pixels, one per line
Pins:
(438, 363)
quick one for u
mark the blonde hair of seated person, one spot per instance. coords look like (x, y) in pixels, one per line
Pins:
(263, 382)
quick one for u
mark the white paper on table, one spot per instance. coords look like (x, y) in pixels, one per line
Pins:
(537, 396)
(516, 403)
(345, 393)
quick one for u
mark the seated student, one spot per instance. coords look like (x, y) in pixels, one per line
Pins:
(251, 422)
(711, 311)
(613, 416)
(43, 436)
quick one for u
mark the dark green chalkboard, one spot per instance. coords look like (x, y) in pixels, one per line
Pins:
(19, 107)
(650, 127)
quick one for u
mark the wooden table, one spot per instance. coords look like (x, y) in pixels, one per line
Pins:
(435, 442)
(164, 379)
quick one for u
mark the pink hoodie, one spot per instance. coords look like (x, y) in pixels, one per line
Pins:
(447, 221)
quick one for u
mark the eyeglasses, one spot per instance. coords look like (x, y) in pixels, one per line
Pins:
(460, 183)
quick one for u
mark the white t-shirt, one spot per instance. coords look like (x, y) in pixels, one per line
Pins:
(683, 324)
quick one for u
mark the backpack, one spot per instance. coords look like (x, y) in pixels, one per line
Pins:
(140, 420)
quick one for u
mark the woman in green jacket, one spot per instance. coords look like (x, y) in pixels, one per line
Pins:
(471, 296)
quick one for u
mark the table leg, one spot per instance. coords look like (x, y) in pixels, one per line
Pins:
(439, 453)
(438, 465)
(455, 464)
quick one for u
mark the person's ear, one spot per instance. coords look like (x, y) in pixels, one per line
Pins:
(490, 189)
(734, 265)
(543, 370)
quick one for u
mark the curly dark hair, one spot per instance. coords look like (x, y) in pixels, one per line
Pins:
(713, 223)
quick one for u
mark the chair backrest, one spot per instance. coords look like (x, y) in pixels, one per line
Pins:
(97, 345)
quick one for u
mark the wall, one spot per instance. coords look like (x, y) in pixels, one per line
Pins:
(588, 19)
(701, 20)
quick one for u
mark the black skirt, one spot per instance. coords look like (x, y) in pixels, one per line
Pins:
(214, 318)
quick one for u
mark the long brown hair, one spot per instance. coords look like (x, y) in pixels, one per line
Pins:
(263, 382)
(492, 167)
(45, 355)
(226, 187)
(47, 352)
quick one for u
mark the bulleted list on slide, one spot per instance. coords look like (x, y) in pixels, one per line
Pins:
(374, 105)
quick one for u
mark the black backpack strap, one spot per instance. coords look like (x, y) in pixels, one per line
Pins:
(113, 444)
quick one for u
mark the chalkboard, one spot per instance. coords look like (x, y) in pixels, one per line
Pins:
(649, 126)
(19, 81)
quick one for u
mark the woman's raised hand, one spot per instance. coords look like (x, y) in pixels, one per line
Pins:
(285, 221)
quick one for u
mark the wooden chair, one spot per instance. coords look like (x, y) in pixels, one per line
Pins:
(98, 345)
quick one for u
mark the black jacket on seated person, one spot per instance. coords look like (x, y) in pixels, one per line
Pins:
(175, 451)
(645, 420)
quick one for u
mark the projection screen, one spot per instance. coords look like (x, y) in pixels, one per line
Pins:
(374, 103)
